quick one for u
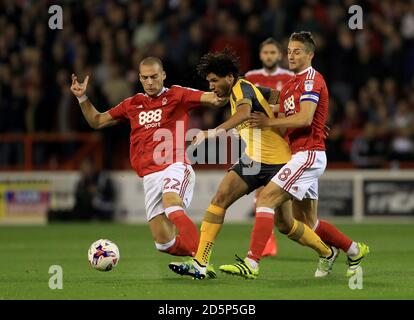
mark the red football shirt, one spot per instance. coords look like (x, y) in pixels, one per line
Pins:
(158, 127)
(274, 80)
(308, 85)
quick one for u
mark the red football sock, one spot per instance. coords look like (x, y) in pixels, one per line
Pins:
(187, 230)
(178, 249)
(332, 236)
(271, 246)
(262, 230)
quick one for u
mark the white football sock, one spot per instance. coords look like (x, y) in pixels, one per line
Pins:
(353, 250)
(252, 263)
(164, 246)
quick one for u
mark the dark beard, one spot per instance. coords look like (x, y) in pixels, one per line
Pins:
(273, 66)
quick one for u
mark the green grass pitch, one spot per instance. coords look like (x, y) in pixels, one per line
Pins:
(142, 273)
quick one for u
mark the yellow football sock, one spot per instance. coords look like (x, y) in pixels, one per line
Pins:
(301, 233)
(210, 227)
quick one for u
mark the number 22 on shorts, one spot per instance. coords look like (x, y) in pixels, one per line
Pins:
(172, 184)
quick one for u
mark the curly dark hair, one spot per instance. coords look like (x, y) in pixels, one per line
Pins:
(220, 63)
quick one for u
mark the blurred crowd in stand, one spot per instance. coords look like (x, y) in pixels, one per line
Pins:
(369, 72)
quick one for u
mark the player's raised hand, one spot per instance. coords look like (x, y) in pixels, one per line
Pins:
(78, 88)
(258, 120)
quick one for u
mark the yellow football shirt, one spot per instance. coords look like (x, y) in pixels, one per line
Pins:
(262, 145)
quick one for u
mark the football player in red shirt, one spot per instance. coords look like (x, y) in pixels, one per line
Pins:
(167, 174)
(272, 76)
(304, 101)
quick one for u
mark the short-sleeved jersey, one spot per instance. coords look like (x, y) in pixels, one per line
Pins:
(308, 85)
(262, 145)
(274, 80)
(158, 127)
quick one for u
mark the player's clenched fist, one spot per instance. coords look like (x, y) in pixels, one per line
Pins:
(78, 88)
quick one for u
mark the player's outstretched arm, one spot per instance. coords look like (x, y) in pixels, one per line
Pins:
(301, 119)
(95, 119)
(242, 114)
(210, 99)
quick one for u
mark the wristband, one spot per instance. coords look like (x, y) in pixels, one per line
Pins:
(82, 99)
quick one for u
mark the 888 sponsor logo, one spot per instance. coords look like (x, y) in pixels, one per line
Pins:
(150, 119)
(289, 105)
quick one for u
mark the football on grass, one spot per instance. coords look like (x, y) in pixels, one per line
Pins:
(103, 255)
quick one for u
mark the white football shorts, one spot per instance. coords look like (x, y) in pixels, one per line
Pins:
(178, 177)
(300, 175)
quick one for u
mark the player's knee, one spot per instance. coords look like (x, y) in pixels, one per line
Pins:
(271, 197)
(282, 226)
(221, 197)
(266, 199)
(170, 199)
